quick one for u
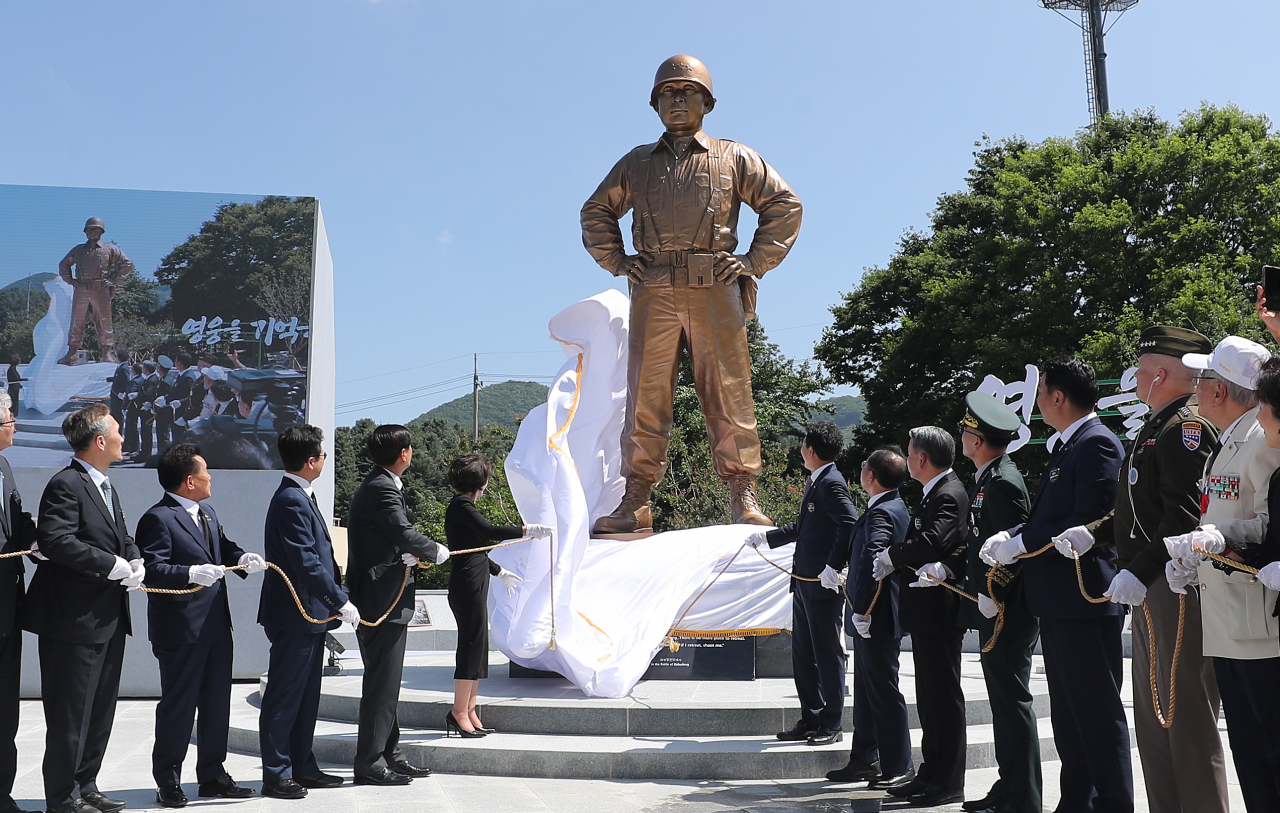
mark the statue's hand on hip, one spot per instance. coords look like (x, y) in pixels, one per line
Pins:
(731, 266)
(633, 267)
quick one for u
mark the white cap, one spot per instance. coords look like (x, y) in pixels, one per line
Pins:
(1234, 359)
(216, 373)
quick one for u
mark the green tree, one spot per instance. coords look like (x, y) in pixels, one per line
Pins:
(1066, 246)
(251, 261)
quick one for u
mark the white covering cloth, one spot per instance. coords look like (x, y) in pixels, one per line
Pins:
(52, 384)
(614, 601)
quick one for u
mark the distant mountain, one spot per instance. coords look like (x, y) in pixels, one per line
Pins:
(500, 404)
(849, 410)
(36, 281)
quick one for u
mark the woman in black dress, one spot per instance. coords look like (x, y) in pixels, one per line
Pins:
(15, 380)
(466, 528)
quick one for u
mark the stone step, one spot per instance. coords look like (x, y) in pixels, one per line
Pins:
(758, 708)
(40, 439)
(601, 757)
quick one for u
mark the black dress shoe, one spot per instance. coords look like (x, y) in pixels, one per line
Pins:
(75, 806)
(319, 780)
(855, 771)
(902, 791)
(799, 731)
(935, 795)
(403, 768)
(826, 736)
(284, 789)
(987, 804)
(171, 796)
(11, 806)
(224, 787)
(106, 805)
(381, 776)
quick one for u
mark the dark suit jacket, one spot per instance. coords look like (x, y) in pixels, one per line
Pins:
(297, 540)
(466, 528)
(938, 531)
(71, 599)
(822, 533)
(882, 525)
(998, 501)
(171, 542)
(1079, 486)
(378, 531)
(19, 532)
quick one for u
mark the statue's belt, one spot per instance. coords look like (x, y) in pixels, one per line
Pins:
(681, 269)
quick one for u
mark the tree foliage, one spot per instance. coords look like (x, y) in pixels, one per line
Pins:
(251, 261)
(1066, 246)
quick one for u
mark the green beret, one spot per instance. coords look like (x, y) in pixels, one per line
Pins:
(1172, 341)
(986, 415)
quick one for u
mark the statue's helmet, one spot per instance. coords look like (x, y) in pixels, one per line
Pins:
(95, 223)
(682, 68)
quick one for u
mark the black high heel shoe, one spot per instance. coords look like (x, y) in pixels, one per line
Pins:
(484, 730)
(451, 727)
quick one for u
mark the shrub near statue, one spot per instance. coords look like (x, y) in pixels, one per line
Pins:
(688, 288)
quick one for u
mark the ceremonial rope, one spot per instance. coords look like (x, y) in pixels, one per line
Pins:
(17, 553)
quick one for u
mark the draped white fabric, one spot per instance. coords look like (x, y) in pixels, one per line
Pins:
(613, 602)
(52, 384)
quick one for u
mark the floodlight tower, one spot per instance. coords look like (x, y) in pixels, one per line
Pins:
(1093, 24)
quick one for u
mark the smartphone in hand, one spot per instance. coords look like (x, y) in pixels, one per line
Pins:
(1271, 283)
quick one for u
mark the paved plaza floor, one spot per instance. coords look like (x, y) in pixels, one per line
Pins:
(127, 774)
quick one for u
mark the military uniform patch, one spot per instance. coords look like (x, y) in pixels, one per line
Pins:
(1053, 475)
(811, 508)
(1149, 442)
(1133, 476)
(977, 500)
(918, 523)
(1191, 433)
(1225, 486)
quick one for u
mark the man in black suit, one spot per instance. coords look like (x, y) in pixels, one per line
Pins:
(881, 749)
(824, 527)
(183, 544)
(1083, 657)
(938, 535)
(19, 534)
(297, 541)
(379, 539)
(79, 606)
(182, 396)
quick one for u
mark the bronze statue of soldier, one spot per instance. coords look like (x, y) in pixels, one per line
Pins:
(99, 268)
(688, 287)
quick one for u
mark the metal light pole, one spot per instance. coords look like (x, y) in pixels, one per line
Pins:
(1093, 25)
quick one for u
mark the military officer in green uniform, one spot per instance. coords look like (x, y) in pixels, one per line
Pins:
(998, 502)
(1159, 496)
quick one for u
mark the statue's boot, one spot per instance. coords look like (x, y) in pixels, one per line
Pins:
(632, 515)
(746, 510)
(109, 354)
(70, 358)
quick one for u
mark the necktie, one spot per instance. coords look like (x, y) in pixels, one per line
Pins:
(208, 537)
(108, 497)
(4, 509)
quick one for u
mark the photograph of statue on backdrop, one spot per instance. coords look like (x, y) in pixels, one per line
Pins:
(189, 314)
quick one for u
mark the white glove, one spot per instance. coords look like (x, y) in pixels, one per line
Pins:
(1270, 576)
(179, 421)
(1002, 549)
(120, 570)
(35, 549)
(538, 531)
(161, 402)
(1073, 541)
(139, 573)
(931, 574)
(133, 396)
(350, 614)
(862, 624)
(205, 575)
(442, 554)
(1208, 539)
(1181, 573)
(1126, 588)
(987, 606)
(757, 539)
(510, 580)
(882, 566)
(409, 559)
(253, 563)
(830, 578)
(175, 404)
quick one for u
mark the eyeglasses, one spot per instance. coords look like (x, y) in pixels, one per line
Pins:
(1209, 377)
(9, 422)
(321, 456)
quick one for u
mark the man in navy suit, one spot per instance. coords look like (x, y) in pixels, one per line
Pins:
(937, 536)
(297, 541)
(183, 545)
(881, 749)
(78, 605)
(1080, 639)
(824, 527)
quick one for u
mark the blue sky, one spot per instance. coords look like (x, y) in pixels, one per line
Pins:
(452, 144)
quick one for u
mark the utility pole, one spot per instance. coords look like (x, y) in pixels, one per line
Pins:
(475, 398)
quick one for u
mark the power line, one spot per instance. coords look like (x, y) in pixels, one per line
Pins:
(410, 391)
(343, 411)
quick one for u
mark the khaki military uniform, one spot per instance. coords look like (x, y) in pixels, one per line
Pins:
(99, 267)
(684, 208)
(1183, 766)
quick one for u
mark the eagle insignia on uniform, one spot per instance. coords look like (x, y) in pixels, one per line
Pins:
(811, 508)
(1053, 475)
(1191, 434)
